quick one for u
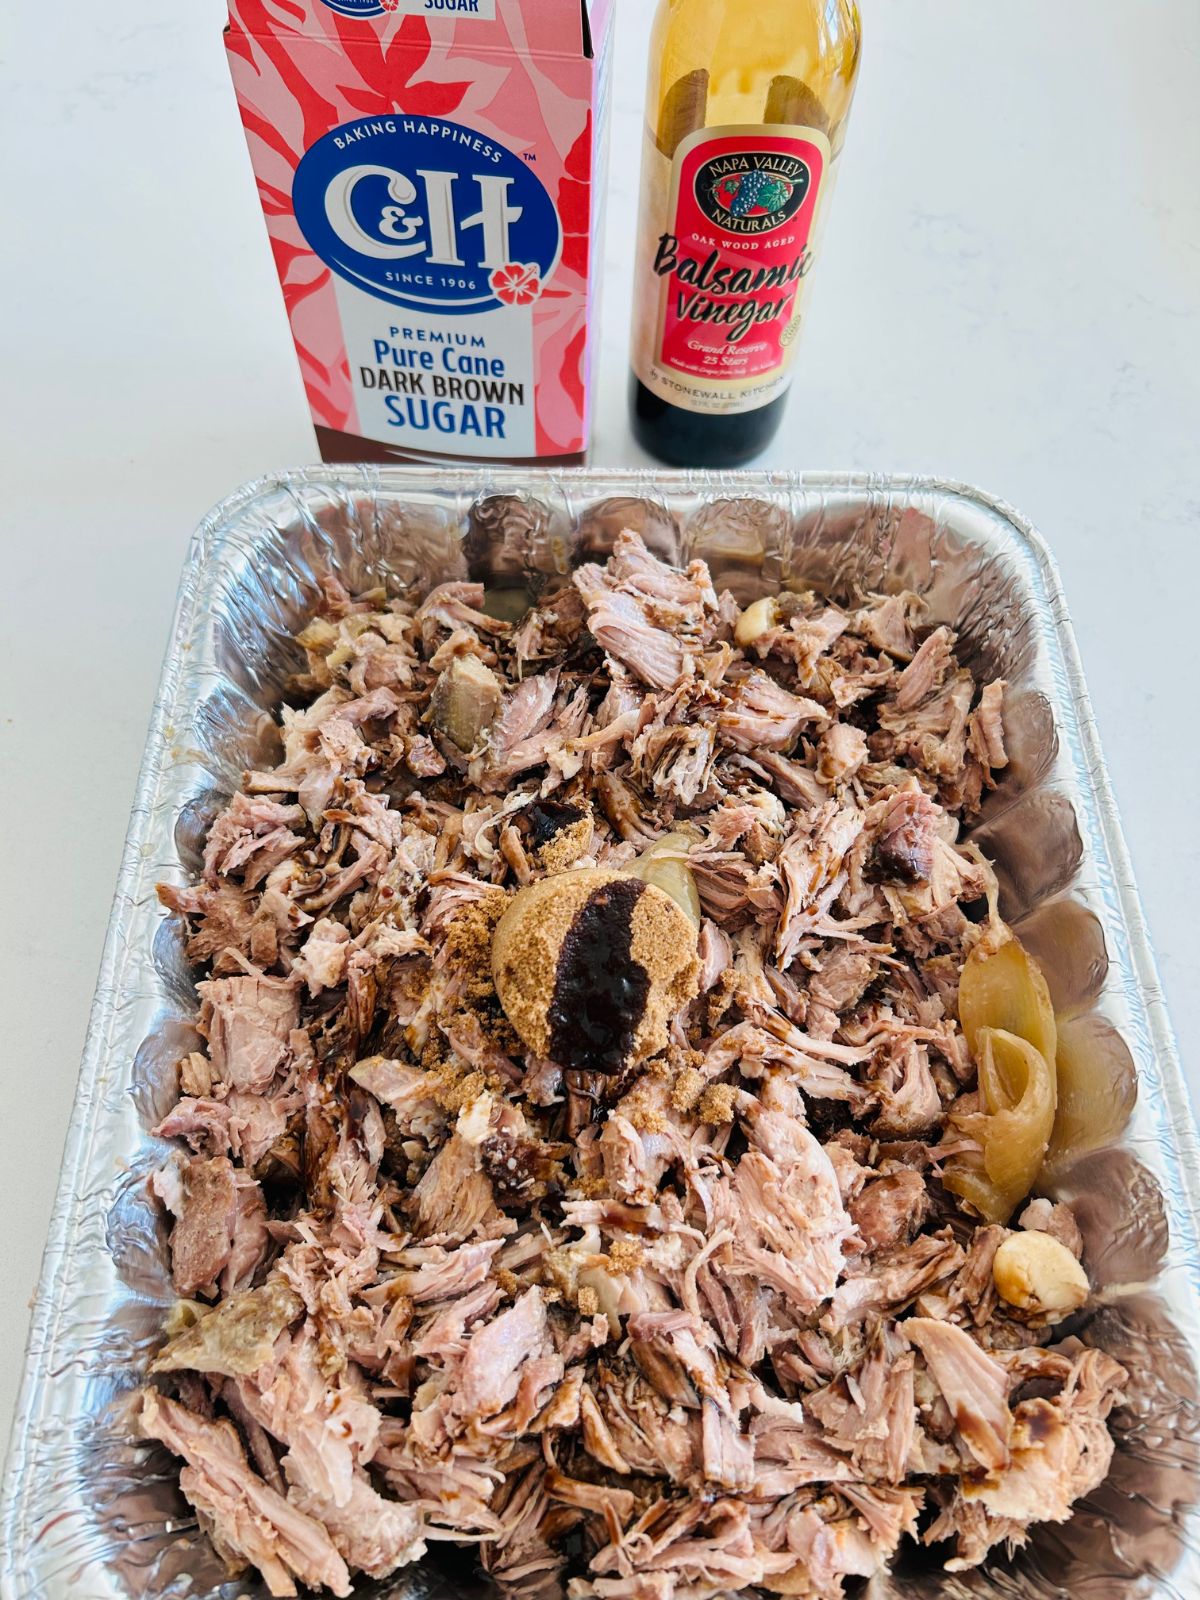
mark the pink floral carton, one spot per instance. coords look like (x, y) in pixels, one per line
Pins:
(431, 175)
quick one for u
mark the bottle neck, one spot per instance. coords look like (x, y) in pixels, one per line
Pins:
(795, 66)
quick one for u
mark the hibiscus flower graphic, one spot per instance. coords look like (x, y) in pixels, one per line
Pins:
(517, 284)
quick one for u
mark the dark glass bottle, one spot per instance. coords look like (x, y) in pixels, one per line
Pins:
(745, 119)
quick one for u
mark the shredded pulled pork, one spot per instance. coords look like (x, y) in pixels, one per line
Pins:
(708, 1323)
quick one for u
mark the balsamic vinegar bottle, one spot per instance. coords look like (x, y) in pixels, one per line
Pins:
(746, 114)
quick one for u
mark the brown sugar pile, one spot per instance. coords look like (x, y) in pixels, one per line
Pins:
(591, 966)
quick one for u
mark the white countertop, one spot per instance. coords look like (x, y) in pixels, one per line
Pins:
(1010, 295)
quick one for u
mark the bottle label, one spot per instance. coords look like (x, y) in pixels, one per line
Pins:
(718, 332)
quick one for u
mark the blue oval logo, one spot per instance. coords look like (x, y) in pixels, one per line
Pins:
(357, 8)
(427, 214)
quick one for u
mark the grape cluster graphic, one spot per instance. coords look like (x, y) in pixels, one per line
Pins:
(754, 189)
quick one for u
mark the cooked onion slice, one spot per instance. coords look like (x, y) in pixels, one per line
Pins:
(1003, 987)
(1018, 1094)
(664, 864)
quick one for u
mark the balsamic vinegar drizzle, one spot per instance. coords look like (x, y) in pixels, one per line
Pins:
(547, 818)
(600, 990)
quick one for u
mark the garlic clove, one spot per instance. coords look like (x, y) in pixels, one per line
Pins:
(1034, 1272)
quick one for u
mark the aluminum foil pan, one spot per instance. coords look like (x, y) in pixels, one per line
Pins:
(91, 1514)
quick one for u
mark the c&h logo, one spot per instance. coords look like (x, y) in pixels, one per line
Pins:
(428, 214)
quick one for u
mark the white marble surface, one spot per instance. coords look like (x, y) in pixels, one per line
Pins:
(1010, 295)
